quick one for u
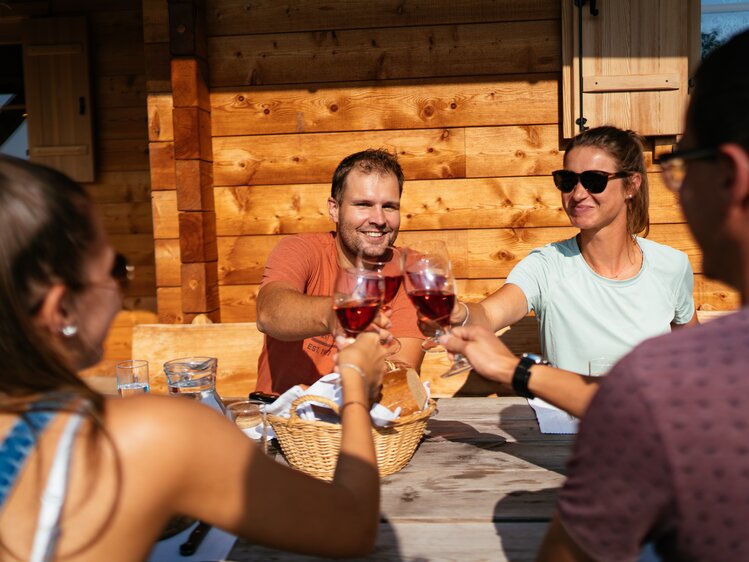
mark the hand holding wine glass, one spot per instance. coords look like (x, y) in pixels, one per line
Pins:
(430, 285)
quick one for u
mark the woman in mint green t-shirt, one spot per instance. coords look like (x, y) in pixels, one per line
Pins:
(599, 293)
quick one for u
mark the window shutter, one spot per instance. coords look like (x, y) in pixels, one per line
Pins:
(635, 64)
(58, 98)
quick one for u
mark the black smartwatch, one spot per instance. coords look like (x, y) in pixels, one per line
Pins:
(523, 373)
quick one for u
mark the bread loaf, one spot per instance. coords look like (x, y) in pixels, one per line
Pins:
(396, 390)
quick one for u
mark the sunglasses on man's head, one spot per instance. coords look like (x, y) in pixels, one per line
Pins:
(592, 180)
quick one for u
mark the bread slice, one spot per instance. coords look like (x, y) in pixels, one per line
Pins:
(401, 387)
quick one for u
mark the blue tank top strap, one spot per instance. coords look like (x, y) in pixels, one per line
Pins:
(17, 445)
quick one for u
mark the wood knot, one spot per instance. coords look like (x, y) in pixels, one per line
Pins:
(453, 105)
(428, 111)
(520, 154)
(445, 134)
(333, 108)
(240, 98)
(503, 255)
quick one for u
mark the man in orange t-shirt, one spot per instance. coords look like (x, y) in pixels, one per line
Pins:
(294, 302)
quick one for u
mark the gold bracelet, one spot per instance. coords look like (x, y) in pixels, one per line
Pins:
(355, 368)
(349, 403)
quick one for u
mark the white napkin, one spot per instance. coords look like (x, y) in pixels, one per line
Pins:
(215, 546)
(551, 419)
(329, 387)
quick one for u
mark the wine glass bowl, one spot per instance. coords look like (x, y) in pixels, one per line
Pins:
(357, 298)
(430, 285)
(389, 265)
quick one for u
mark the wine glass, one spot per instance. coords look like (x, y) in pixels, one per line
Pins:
(389, 266)
(357, 298)
(430, 285)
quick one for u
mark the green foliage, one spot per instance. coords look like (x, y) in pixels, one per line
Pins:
(709, 41)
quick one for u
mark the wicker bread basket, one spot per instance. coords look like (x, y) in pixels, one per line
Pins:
(313, 446)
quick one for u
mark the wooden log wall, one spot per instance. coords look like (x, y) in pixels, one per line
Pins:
(121, 189)
(467, 94)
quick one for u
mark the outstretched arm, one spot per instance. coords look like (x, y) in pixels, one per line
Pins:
(220, 476)
(502, 308)
(288, 315)
(496, 363)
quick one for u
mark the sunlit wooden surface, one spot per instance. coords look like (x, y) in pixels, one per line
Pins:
(482, 486)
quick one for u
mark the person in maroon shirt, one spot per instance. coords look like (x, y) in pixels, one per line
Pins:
(662, 455)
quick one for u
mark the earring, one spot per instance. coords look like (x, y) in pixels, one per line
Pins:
(69, 331)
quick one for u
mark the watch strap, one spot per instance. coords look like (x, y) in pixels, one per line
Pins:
(522, 375)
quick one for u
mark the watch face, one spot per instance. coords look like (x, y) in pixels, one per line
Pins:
(533, 357)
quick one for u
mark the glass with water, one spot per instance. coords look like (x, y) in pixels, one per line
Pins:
(194, 378)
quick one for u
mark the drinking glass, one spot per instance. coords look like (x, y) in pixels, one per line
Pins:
(390, 267)
(248, 414)
(357, 298)
(600, 366)
(132, 377)
(430, 285)
(194, 378)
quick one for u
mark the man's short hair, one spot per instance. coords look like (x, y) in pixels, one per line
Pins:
(367, 162)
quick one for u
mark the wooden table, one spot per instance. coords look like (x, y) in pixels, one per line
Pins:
(482, 486)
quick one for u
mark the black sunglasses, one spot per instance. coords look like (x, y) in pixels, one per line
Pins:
(592, 180)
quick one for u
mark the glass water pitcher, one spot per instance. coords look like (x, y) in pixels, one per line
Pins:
(195, 378)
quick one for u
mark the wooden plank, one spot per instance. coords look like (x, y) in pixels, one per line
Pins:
(426, 205)
(168, 262)
(157, 67)
(122, 154)
(239, 17)
(116, 187)
(165, 214)
(194, 185)
(199, 288)
(237, 347)
(128, 90)
(197, 237)
(161, 155)
(160, 122)
(467, 102)
(238, 302)
(137, 247)
(169, 304)
(122, 122)
(116, 41)
(714, 295)
(155, 21)
(512, 151)
(192, 133)
(298, 158)
(187, 28)
(631, 82)
(126, 218)
(475, 254)
(189, 84)
(385, 53)
(436, 542)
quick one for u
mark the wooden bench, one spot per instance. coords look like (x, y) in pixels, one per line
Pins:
(237, 346)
